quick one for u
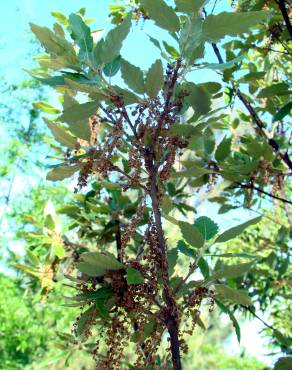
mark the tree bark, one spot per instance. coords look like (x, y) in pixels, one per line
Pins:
(282, 6)
(171, 319)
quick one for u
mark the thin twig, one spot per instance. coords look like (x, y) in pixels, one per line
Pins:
(285, 157)
(282, 6)
(249, 186)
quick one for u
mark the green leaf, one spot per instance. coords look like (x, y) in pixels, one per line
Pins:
(62, 172)
(166, 204)
(133, 76)
(207, 227)
(231, 271)
(194, 171)
(149, 328)
(45, 107)
(283, 363)
(226, 310)
(49, 222)
(59, 30)
(233, 295)
(33, 258)
(61, 18)
(223, 149)
(110, 69)
(162, 14)
(191, 234)
(81, 33)
(283, 112)
(128, 97)
(171, 259)
(79, 112)
(224, 66)
(101, 309)
(216, 27)
(185, 249)
(134, 277)
(189, 6)
(113, 42)
(54, 44)
(199, 98)
(155, 42)
(184, 129)
(209, 141)
(96, 263)
(204, 267)
(171, 219)
(237, 230)
(59, 250)
(282, 339)
(275, 89)
(77, 117)
(252, 76)
(191, 40)
(154, 79)
(85, 320)
(97, 53)
(102, 293)
(61, 135)
(171, 50)
(51, 81)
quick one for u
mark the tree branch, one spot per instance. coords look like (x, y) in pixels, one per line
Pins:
(282, 7)
(285, 157)
(249, 186)
(119, 242)
(171, 319)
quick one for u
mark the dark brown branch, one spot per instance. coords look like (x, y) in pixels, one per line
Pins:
(282, 7)
(285, 157)
(119, 242)
(111, 119)
(117, 169)
(167, 98)
(249, 186)
(171, 319)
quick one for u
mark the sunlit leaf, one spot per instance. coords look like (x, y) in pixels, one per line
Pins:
(62, 172)
(113, 42)
(96, 264)
(162, 14)
(233, 295)
(215, 27)
(189, 6)
(223, 149)
(283, 112)
(154, 79)
(61, 135)
(191, 234)
(231, 271)
(235, 231)
(206, 226)
(45, 107)
(81, 33)
(133, 76)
